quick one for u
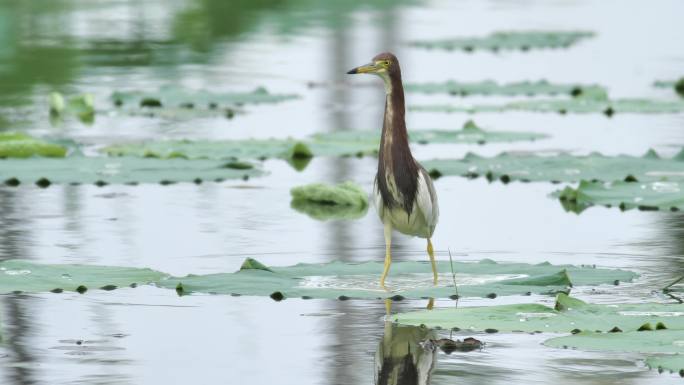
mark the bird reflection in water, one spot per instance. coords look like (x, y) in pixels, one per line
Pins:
(406, 356)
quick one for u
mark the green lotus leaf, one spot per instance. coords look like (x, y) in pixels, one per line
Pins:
(253, 264)
(663, 341)
(660, 195)
(643, 328)
(573, 316)
(343, 194)
(172, 96)
(81, 106)
(673, 362)
(647, 341)
(470, 133)
(509, 40)
(324, 212)
(333, 280)
(407, 279)
(490, 87)
(676, 85)
(24, 276)
(19, 145)
(101, 170)
(580, 105)
(563, 167)
(339, 143)
(321, 201)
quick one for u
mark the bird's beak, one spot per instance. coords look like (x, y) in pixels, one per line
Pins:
(364, 69)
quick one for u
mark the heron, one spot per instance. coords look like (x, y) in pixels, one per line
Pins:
(403, 192)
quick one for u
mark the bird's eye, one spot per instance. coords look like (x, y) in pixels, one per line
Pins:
(386, 63)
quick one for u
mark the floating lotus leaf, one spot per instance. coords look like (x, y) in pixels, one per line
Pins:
(24, 276)
(661, 195)
(205, 149)
(320, 201)
(339, 143)
(568, 315)
(643, 328)
(509, 40)
(673, 362)
(469, 134)
(171, 96)
(19, 145)
(490, 87)
(609, 107)
(676, 85)
(331, 280)
(101, 170)
(646, 341)
(563, 167)
(178, 103)
(664, 341)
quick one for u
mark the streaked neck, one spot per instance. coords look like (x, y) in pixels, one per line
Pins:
(394, 135)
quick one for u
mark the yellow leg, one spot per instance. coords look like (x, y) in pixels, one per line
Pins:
(388, 306)
(430, 304)
(431, 253)
(388, 254)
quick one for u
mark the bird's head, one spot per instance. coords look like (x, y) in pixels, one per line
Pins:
(384, 65)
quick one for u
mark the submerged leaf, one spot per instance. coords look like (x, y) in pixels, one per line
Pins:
(509, 40)
(563, 167)
(101, 171)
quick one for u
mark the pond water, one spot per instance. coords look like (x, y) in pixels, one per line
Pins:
(152, 336)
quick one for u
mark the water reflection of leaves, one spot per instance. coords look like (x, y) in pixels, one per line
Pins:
(324, 202)
(325, 212)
